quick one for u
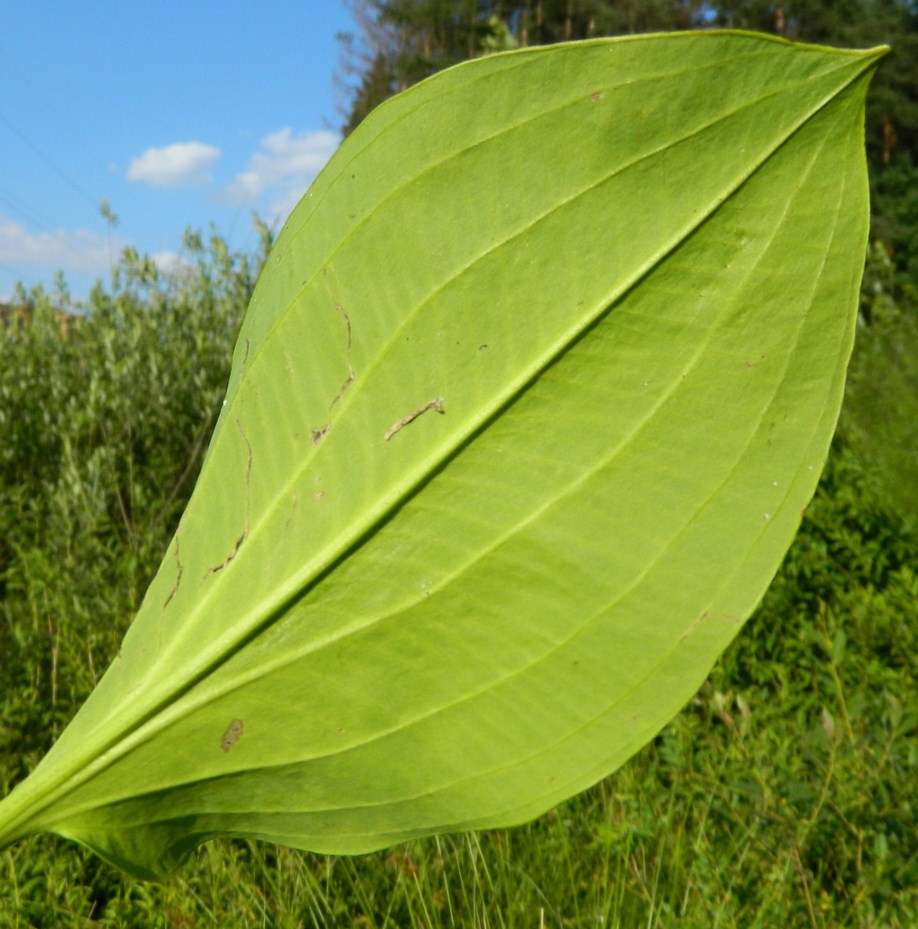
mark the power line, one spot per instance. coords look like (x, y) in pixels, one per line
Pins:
(59, 171)
(48, 161)
(40, 222)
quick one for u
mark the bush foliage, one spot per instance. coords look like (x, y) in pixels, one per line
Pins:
(104, 420)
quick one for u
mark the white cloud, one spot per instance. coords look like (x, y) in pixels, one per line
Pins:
(170, 263)
(69, 250)
(283, 167)
(182, 164)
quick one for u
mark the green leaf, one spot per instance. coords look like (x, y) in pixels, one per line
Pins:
(526, 408)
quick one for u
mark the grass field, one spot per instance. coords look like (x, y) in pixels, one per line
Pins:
(783, 794)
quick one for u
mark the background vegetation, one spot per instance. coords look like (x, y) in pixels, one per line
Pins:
(782, 795)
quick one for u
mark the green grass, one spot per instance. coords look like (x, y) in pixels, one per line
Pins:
(783, 794)
(881, 401)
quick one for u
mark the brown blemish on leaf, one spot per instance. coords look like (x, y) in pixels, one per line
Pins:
(347, 323)
(232, 554)
(178, 575)
(706, 618)
(293, 504)
(411, 417)
(344, 386)
(319, 434)
(320, 496)
(245, 530)
(597, 96)
(232, 735)
(350, 370)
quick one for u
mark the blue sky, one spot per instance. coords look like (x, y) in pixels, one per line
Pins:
(179, 114)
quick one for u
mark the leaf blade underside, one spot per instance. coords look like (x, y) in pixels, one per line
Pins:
(518, 431)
